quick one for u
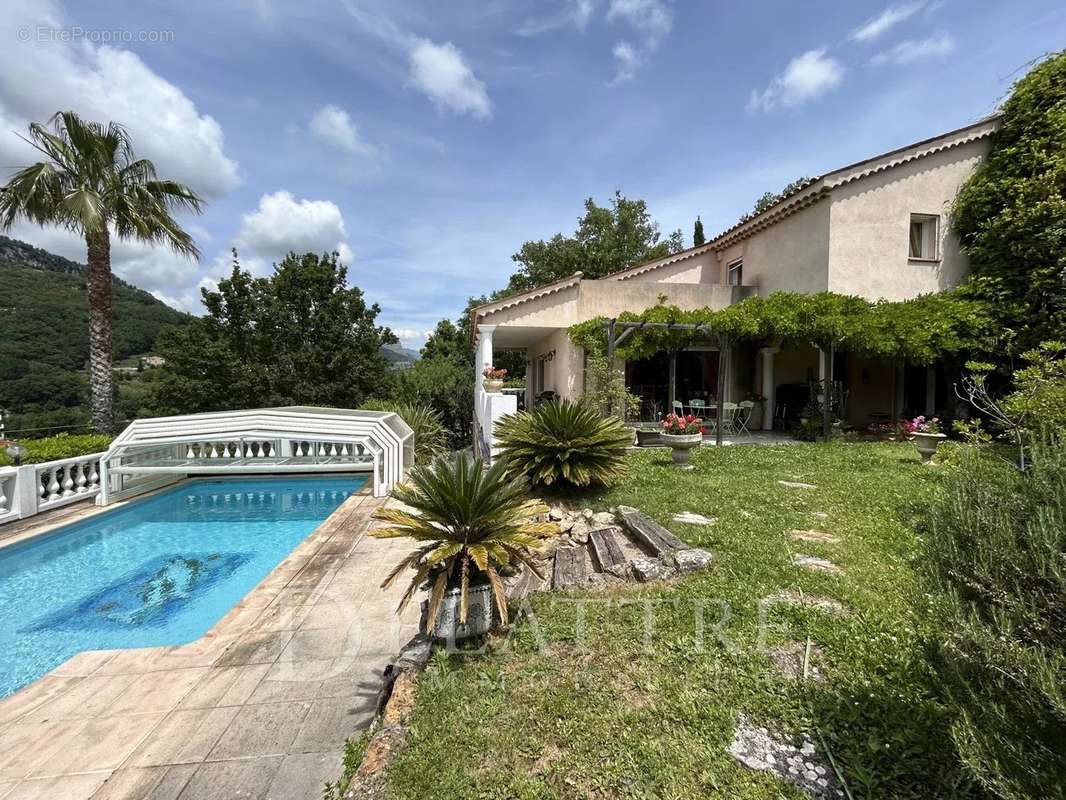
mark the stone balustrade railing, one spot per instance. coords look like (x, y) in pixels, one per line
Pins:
(33, 488)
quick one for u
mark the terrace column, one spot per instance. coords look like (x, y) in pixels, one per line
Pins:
(768, 392)
(484, 355)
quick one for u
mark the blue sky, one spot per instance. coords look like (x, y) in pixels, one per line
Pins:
(427, 141)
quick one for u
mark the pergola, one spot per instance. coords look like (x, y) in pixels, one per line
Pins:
(295, 439)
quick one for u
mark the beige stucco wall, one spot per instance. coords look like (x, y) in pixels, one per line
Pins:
(790, 255)
(564, 374)
(870, 225)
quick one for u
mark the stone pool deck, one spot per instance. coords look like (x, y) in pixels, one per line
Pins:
(259, 707)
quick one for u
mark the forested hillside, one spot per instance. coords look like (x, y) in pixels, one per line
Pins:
(44, 343)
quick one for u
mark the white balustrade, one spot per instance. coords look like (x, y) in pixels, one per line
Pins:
(67, 481)
(8, 497)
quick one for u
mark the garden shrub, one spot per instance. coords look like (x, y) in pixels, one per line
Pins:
(431, 439)
(62, 445)
(998, 569)
(564, 444)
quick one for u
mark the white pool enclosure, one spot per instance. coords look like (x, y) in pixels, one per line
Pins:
(297, 439)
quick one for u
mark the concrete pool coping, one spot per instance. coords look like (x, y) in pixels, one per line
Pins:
(258, 707)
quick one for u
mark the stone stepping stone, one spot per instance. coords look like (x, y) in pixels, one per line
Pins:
(819, 515)
(792, 759)
(608, 552)
(791, 597)
(569, 571)
(814, 536)
(788, 658)
(817, 564)
(649, 532)
(692, 518)
(797, 485)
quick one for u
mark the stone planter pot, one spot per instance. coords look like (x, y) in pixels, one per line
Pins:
(479, 614)
(927, 443)
(681, 444)
(492, 386)
(647, 437)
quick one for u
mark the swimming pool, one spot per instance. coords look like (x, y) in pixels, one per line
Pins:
(160, 571)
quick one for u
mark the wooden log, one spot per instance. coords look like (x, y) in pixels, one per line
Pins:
(606, 549)
(569, 571)
(648, 532)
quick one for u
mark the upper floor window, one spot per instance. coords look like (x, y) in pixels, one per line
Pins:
(735, 273)
(923, 238)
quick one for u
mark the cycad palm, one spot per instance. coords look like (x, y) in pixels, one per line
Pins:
(91, 184)
(564, 443)
(468, 520)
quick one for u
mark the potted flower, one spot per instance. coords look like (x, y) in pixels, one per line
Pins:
(494, 378)
(681, 434)
(472, 526)
(926, 434)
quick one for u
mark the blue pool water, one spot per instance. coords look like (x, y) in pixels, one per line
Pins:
(159, 571)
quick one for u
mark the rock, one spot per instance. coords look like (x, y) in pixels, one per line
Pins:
(650, 569)
(819, 515)
(691, 518)
(797, 485)
(692, 560)
(814, 536)
(556, 514)
(580, 532)
(587, 513)
(565, 524)
(788, 659)
(603, 518)
(792, 760)
(791, 597)
(816, 563)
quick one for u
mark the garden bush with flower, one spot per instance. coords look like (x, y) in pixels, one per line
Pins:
(491, 373)
(676, 425)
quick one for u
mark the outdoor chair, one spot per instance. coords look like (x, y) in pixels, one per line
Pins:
(729, 417)
(679, 409)
(743, 416)
(697, 407)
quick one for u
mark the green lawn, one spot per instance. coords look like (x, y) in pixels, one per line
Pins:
(609, 716)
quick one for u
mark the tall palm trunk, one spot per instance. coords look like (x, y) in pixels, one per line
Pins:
(101, 376)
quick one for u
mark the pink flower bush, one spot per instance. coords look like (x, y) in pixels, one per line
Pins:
(921, 424)
(675, 425)
(493, 374)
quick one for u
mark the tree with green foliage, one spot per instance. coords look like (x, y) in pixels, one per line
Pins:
(92, 184)
(447, 386)
(607, 239)
(449, 340)
(769, 199)
(300, 337)
(1011, 214)
(697, 233)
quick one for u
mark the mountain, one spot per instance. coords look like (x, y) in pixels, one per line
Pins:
(44, 348)
(399, 356)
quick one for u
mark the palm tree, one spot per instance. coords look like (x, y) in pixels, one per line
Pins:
(92, 184)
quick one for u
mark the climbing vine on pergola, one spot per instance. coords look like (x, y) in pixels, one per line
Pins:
(917, 331)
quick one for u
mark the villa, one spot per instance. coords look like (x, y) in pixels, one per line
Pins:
(878, 229)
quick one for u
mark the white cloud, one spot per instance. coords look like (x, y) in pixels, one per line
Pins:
(911, 50)
(410, 337)
(332, 125)
(885, 21)
(651, 20)
(807, 77)
(440, 72)
(577, 13)
(281, 224)
(104, 84)
(627, 60)
(652, 17)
